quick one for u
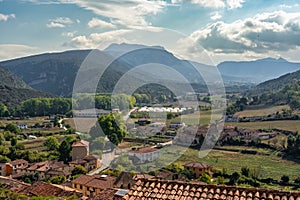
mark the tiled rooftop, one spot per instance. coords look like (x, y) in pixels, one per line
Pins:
(83, 179)
(162, 189)
(142, 176)
(107, 194)
(101, 183)
(46, 189)
(18, 162)
(80, 143)
(198, 165)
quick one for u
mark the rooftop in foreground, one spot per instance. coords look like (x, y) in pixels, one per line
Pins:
(163, 189)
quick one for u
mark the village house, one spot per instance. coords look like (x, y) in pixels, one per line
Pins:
(198, 168)
(191, 136)
(13, 166)
(48, 169)
(80, 150)
(90, 162)
(22, 125)
(90, 186)
(143, 155)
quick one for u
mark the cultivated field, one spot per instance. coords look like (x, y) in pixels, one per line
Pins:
(290, 125)
(251, 111)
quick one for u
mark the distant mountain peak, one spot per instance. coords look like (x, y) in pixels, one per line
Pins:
(282, 59)
(270, 59)
(117, 47)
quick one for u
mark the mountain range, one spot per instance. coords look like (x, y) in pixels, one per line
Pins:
(258, 71)
(55, 73)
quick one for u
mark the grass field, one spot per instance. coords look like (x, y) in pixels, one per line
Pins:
(269, 166)
(251, 111)
(193, 119)
(290, 125)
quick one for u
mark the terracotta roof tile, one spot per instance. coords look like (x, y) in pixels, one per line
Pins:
(81, 143)
(107, 194)
(82, 179)
(18, 162)
(46, 189)
(166, 189)
(198, 165)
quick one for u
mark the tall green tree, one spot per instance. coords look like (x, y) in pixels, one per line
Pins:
(51, 143)
(64, 151)
(113, 127)
(3, 110)
(12, 128)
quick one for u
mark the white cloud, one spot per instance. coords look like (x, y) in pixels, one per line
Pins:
(96, 39)
(263, 34)
(59, 22)
(215, 16)
(98, 23)
(69, 34)
(4, 17)
(230, 4)
(204, 3)
(289, 6)
(55, 25)
(9, 51)
(263, 31)
(233, 4)
(127, 13)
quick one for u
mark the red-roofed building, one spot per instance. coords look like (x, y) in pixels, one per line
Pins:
(143, 155)
(48, 169)
(11, 167)
(198, 168)
(89, 163)
(92, 185)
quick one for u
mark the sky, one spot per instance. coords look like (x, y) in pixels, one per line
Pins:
(228, 30)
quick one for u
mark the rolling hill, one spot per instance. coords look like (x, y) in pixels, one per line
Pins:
(9, 79)
(274, 85)
(14, 90)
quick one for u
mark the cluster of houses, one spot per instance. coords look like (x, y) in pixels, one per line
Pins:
(194, 135)
(128, 186)
(93, 186)
(244, 134)
(80, 157)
